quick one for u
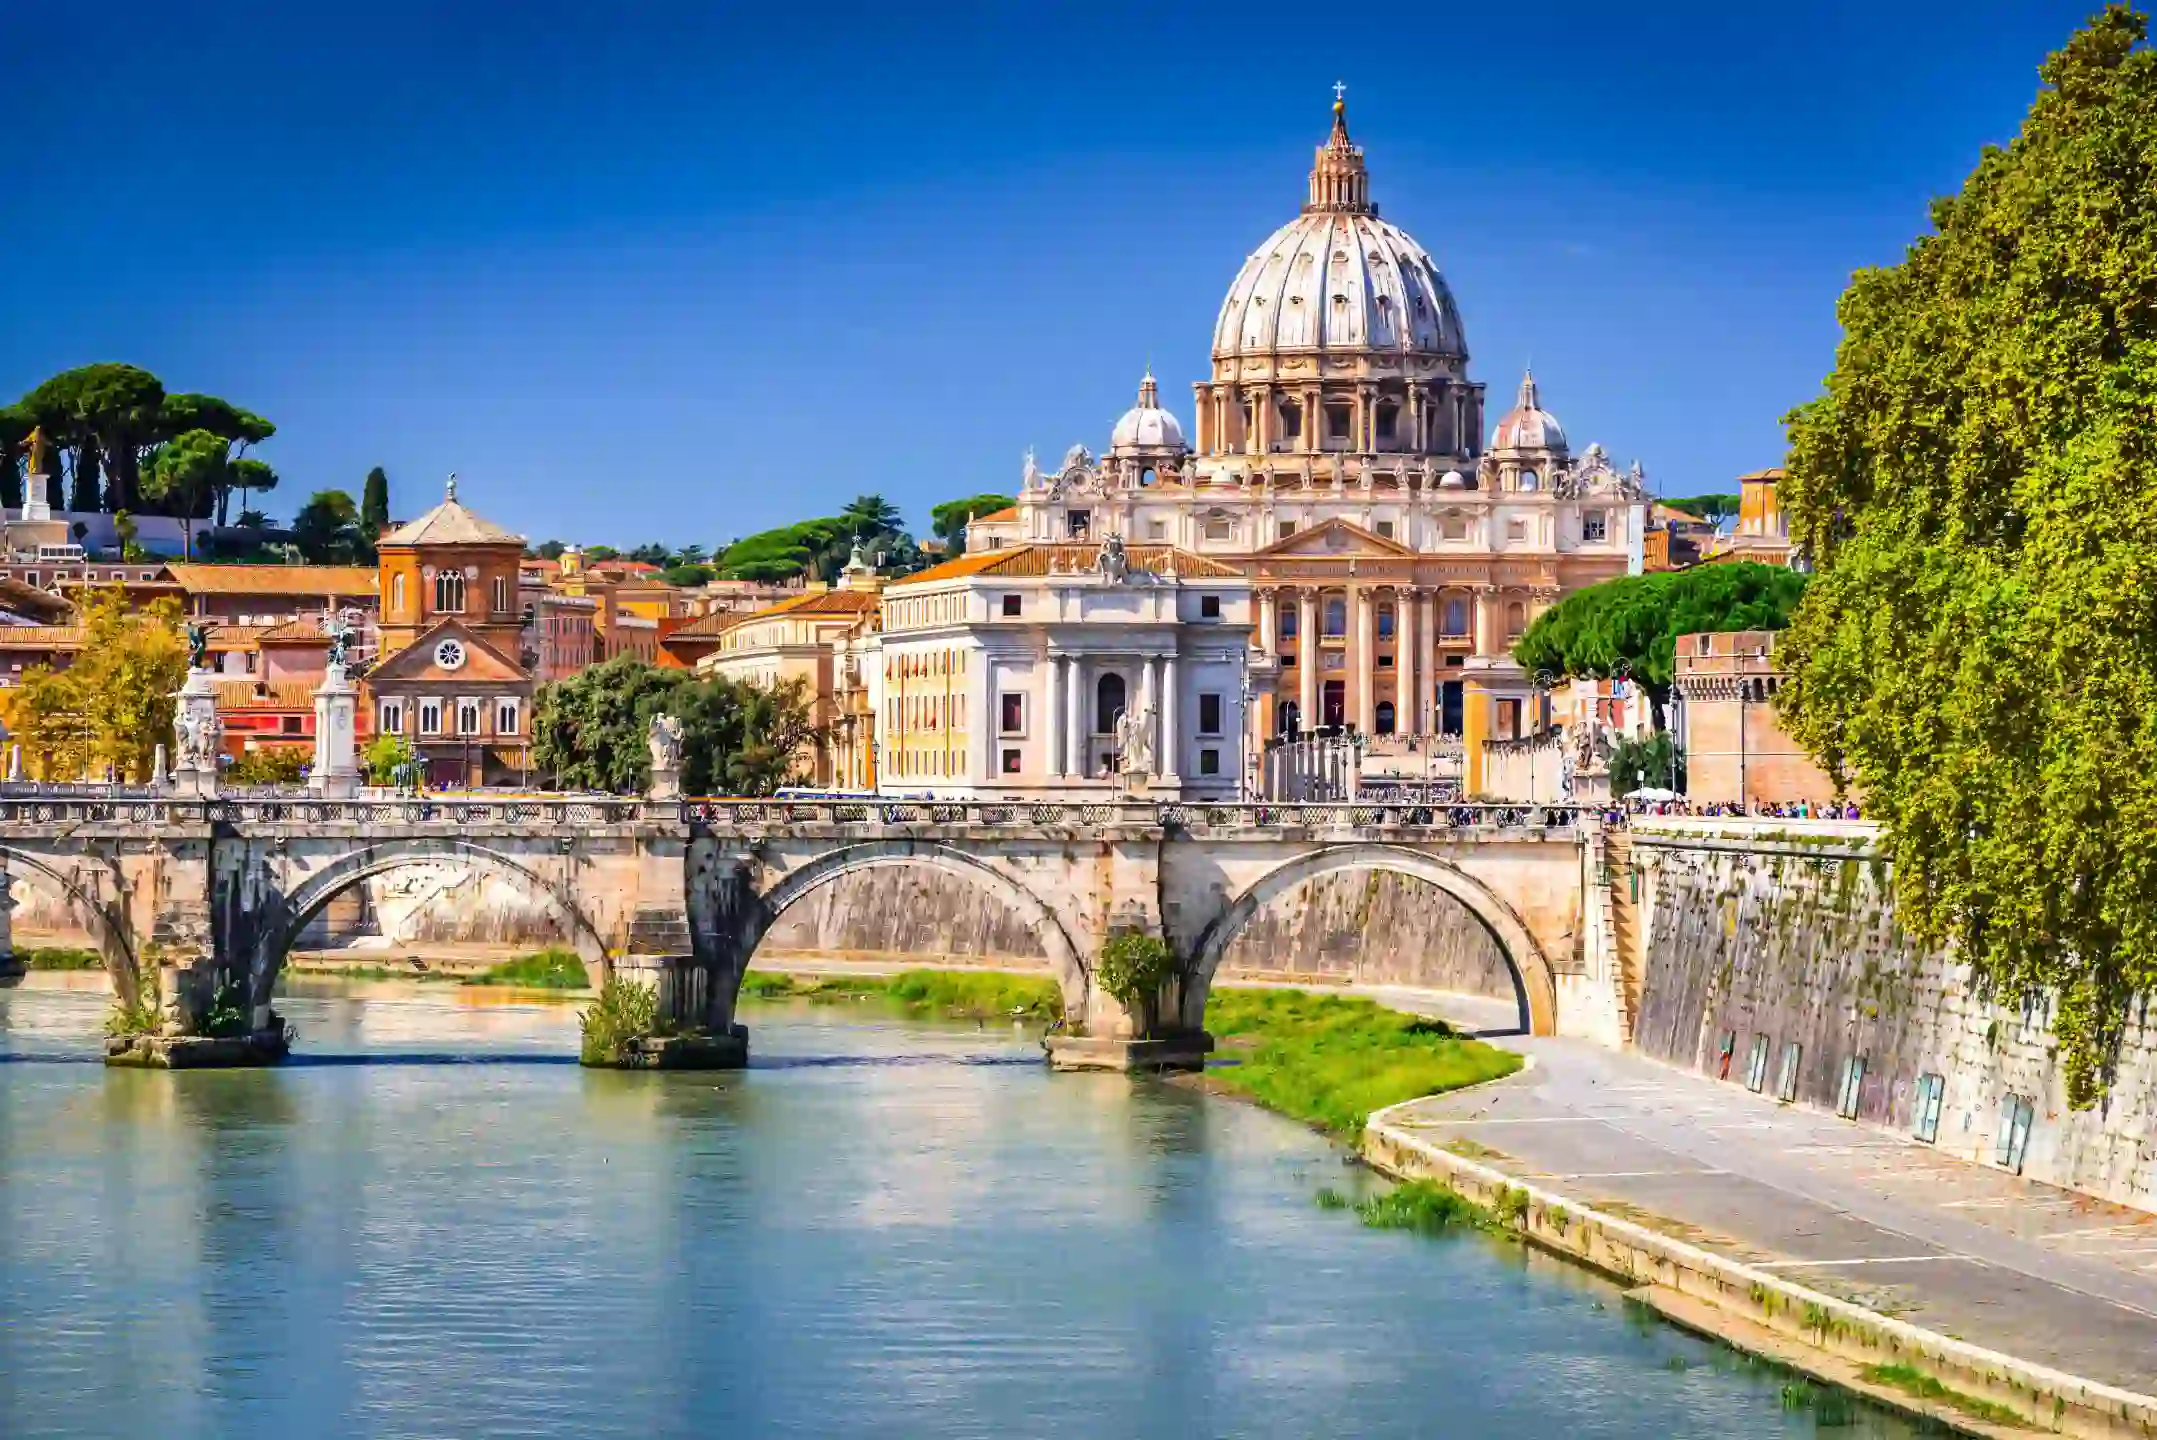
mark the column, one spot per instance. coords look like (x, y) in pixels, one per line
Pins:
(986, 722)
(1366, 653)
(1404, 660)
(1486, 620)
(1429, 672)
(1269, 640)
(1075, 721)
(1148, 700)
(1307, 658)
(1052, 717)
(1170, 745)
(1262, 417)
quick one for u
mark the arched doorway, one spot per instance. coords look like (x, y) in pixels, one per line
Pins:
(1108, 703)
(1382, 718)
(1288, 718)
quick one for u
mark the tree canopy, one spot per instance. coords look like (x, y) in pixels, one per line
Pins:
(1706, 507)
(113, 706)
(327, 531)
(950, 519)
(589, 731)
(1635, 620)
(1978, 486)
(374, 505)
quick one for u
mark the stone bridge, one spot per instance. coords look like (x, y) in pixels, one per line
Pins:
(208, 896)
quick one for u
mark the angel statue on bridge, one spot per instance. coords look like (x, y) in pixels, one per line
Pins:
(665, 738)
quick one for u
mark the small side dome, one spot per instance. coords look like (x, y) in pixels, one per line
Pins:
(1146, 426)
(1528, 426)
(1453, 480)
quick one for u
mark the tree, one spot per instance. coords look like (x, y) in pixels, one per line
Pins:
(549, 549)
(687, 576)
(867, 516)
(1653, 762)
(108, 412)
(15, 426)
(1977, 484)
(1706, 507)
(589, 732)
(270, 765)
(248, 475)
(597, 553)
(236, 427)
(327, 531)
(950, 519)
(1636, 620)
(186, 474)
(114, 705)
(374, 505)
(653, 554)
(388, 760)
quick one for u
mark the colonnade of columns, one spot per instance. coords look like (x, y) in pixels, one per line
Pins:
(1419, 644)
(1434, 418)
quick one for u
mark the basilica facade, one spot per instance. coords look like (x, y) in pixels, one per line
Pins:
(1338, 462)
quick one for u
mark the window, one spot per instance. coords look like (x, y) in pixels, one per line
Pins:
(1209, 714)
(1385, 622)
(2014, 1139)
(1385, 662)
(1012, 606)
(292, 724)
(1209, 607)
(1786, 1082)
(146, 576)
(1209, 761)
(1156, 529)
(1516, 619)
(396, 592)
(1516, 530)
(1337, 422)
(507, 715)
(1336, 619)
(1284, 529)
(1011, 762)
(1595, 527)
(1385, 529)
(430, 717)
(1853, 1087)
(1011, 714)
(1078, 524)
(1925, 1120)
(1286, 718)
(1146, 477)
(1453, 619)
(1452, 527)
(1108, 701)
(392, 717)
(1288, 622)
(1384, 717)
(1388, 417)
(449, 591)
(501, 594)
(1756, 1065)
(1529, 480)
(1333, 660)
(467, 717)
(1218, 527)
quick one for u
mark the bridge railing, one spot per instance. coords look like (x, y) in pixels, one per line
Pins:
(990, 814)
(569, 812)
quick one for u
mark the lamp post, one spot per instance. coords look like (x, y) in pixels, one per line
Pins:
(1540, 687)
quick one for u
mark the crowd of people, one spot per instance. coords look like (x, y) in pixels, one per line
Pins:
(1787, 810)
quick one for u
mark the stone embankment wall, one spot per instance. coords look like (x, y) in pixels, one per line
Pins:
(1756, 930)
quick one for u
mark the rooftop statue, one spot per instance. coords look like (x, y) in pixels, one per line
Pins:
(39, 449)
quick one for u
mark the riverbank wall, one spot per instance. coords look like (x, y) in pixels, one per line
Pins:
(1770, 956)
(1732, 1299)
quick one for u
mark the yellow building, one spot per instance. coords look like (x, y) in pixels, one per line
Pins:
(815, 638)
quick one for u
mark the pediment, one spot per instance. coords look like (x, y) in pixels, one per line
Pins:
(418, 662)
(1336, 539)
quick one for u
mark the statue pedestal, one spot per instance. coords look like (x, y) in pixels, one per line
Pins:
(666, 783)
(195, 714)
(336, 775)
(37, 502)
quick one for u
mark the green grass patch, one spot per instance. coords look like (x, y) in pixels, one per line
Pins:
(58, 957)
(1912, 1381)
(1330, 1060)
(550, 969)
(1424, 1206)
(952, 994)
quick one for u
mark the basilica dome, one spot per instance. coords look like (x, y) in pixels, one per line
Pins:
(1528, 426)
(1338, 278)
(1146, 426)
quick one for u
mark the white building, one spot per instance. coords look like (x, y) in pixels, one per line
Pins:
(1040, 670)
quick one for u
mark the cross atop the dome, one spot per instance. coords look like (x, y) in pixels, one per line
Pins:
(1340, 94)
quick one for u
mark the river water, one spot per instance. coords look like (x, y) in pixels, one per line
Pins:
(432, 1223)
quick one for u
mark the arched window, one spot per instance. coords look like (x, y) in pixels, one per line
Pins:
(1456, 615)
(1516, 619)
(396, 593)
(1146, 476)
(1107, 703)
(1336, 617)
(1385, 622)
(449, 592)
(1529, 480)
(1384, 717)
(1286, 719)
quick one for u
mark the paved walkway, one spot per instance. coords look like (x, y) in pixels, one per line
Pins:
(1868, 1215)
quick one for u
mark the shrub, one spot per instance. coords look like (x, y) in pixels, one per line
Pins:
(1133, 968)
(624, 1015)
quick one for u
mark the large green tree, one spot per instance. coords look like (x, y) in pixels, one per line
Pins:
(374, 504)
(589, 731)
(327, 531)
(107, 413)
(1978, 485)
(950, 519)
(1634, 621)
(187, 474)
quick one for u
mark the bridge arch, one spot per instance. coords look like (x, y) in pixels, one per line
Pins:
(795, 885)
(1534, 981)
(115, 940)
(318, 889)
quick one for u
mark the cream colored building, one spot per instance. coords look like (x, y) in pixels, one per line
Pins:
(1338, 463)
(1041, 669)
(810, 637)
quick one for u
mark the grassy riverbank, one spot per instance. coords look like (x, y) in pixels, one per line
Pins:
(951, 994)
(550, 969)
(58, 957)
(1330, 1060)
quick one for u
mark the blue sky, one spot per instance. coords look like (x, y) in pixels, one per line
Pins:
(648, 271)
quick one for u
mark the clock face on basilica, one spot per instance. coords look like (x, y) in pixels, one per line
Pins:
(449, 655)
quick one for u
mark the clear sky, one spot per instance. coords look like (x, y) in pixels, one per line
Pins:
(680, 272)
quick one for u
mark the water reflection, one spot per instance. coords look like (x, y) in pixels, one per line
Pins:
(437, 1227)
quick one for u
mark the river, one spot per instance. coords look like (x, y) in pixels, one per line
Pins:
(432, 1223)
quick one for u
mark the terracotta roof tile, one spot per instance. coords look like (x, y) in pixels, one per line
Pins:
(41, 637)
(1038, 560)
(817, 602)
(308, 580)
(277, 695)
